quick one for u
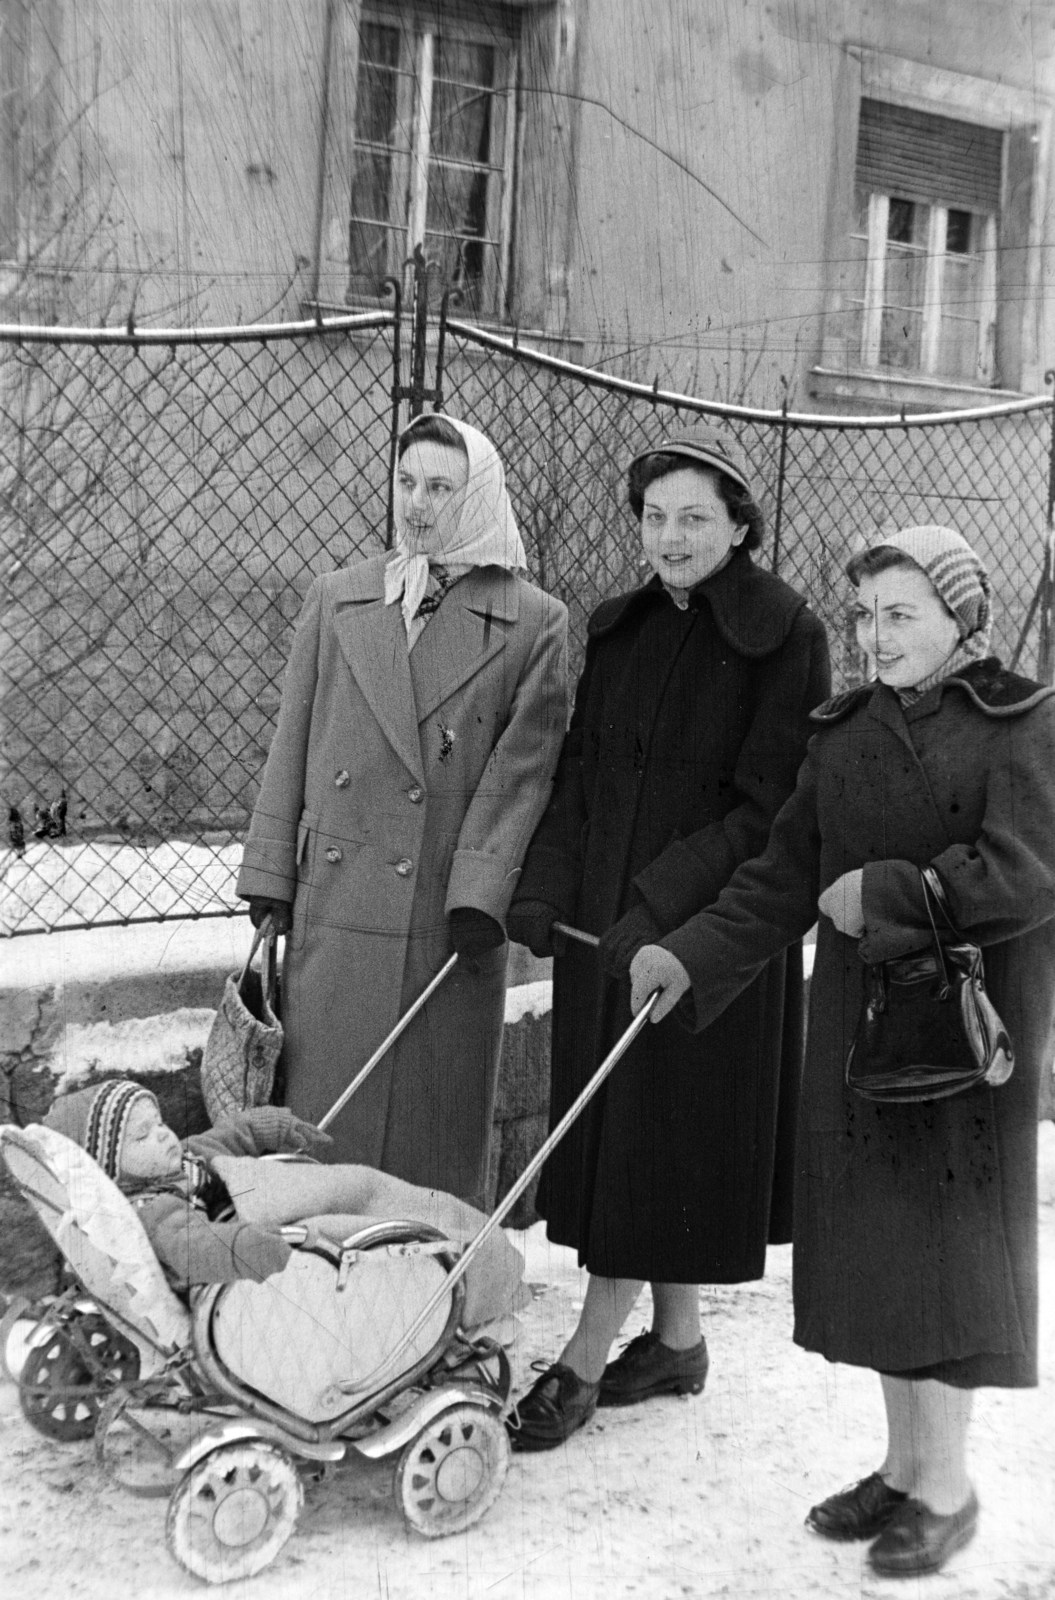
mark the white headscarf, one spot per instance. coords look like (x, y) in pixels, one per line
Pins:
(486, 534)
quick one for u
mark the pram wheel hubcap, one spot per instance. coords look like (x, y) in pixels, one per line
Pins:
(241, 1517)
(453, 1471)
(459, 1475)
(234, 1510)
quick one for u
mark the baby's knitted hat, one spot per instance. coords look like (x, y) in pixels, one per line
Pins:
(97, 1118)
(953, 568)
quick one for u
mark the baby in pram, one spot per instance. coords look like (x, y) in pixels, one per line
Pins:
(213, 1209)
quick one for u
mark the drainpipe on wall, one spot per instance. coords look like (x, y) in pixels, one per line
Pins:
(324, 133)
(568, 33)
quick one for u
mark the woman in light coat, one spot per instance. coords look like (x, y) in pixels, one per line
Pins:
(422, 715)
(915, 1225)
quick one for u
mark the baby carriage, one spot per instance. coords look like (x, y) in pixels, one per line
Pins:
(354, 1346)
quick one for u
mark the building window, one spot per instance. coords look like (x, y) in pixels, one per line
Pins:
(925, 241)
(433, 151)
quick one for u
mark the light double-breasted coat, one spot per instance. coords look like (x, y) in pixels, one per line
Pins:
(399, 786)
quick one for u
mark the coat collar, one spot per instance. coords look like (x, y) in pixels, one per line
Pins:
(460, 638)
(469, 628)
(493, 586)
(996, 692)
(373, 642)
(753, 610)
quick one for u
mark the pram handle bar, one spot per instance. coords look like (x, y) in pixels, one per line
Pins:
(498, 1216)
(387, 1042)
(575, 933)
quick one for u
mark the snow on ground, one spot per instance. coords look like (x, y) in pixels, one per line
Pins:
(679, 1497)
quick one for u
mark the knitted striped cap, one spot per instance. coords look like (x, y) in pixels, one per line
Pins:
(952, 567)
(97, 1118)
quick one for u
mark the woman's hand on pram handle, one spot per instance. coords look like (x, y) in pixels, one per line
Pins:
(530, 923)
(655, 968)
(473, 932)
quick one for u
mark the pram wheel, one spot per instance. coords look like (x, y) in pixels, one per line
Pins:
(233, 1511)
(139, 1438)
(65, 1377)
(453, 1471)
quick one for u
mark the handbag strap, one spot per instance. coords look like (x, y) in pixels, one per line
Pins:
(934, 891)
(268, 964)
(933, 888)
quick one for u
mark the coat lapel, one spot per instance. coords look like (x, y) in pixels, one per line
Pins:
(466, 632)
(373, 642)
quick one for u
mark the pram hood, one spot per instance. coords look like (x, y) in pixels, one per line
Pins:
(98, 1232)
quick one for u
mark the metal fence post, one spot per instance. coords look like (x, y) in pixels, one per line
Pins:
(1045, 663)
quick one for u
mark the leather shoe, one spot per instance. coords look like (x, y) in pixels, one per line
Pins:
(558, 1403)
(917, 1539)
(647, 1366)
(859, 1512)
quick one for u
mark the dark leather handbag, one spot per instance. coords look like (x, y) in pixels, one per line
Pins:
(928, 1029)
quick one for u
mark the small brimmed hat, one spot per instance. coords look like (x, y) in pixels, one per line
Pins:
(97, 1119)
(702, 447)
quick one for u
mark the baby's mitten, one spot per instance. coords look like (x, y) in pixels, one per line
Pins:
(276, 1128)
(258, 1254)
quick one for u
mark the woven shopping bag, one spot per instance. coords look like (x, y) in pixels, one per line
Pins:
(245, 1040)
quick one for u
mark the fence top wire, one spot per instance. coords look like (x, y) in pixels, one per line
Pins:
(238, 333)
(721, 408)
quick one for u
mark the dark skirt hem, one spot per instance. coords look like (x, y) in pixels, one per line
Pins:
(987, 1369)
(658, 1272)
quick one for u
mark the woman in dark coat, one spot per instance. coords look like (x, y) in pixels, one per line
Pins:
(690, 724)
(915, 1238)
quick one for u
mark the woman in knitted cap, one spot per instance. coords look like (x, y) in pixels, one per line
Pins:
(915, 1242)
(422, 713)
(213, 1210)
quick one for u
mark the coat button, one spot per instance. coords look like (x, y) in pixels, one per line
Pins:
(342, 779)
(404, 867)
(416, 794)
(334, 854)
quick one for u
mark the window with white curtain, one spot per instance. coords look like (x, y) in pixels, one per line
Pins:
(433, 149)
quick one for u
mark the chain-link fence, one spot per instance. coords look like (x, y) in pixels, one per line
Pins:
(166, 499)
(566, 435)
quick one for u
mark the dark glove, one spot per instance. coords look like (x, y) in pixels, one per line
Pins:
(473, 932)
(280, 912)
(276, 1128)
(530, 922)
(258, 1254)
(621, 942)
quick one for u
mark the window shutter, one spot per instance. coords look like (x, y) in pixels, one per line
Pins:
(938, 160)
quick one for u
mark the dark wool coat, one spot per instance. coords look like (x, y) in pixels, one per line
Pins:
(688, 730)
(915, 1225)
(396, 788)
